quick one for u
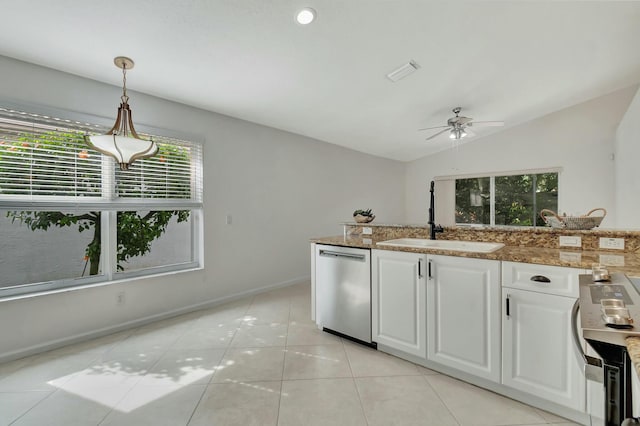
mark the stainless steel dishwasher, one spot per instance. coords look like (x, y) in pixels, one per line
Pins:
(343, 291)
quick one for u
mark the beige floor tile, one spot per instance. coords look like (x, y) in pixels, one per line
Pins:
(214, 337)
(426, 371)
(250, 365)
(300, 311)
(65, 409)
(11, 367)
(98, 345)
(370, 362)
(314, 362)
(307, 333)
(15, 404)
(260, 335)
(117, 368)
(564, 424)
(148, 340)
(244, 349)
(267, 313)
(402, 400)
(551, 418)
(471, 405)
(184, 367)
(37, 374)
(170, 405)
(238, 404)
(172, 324)
(230, 314)
(320, 402)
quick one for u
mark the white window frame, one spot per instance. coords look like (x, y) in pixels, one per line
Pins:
(492, 193)
(108, 205)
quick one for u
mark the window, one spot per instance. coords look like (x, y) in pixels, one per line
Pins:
(68, 217)
(512, 200)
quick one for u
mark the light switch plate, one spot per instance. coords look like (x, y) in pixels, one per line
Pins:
(367, 230)
(570, 241)
(612, 243)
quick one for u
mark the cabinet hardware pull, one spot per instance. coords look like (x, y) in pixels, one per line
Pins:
(419, 268)
(540, 279)
(429, 269)
(507, 307)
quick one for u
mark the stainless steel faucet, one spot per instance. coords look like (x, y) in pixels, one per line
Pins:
(433, 228)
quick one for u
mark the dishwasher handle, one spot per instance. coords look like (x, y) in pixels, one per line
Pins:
(350, 256)
(593, 369)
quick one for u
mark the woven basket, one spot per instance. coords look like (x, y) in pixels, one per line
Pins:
(584, 222)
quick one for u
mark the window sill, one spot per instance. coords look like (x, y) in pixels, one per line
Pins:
(121, 280)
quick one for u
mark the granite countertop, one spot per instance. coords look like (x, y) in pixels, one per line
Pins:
(628, 263)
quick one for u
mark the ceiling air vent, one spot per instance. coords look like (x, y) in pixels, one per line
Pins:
(403, 71)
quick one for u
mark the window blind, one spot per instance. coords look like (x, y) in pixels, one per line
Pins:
(45, 159)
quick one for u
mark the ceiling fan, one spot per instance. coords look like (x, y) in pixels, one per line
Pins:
(458, 127)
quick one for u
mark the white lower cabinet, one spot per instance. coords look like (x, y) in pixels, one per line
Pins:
(539, 356)
(505, 322)
(398, 300)
(463, 314)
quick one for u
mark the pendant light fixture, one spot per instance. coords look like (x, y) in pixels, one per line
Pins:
(122, 142)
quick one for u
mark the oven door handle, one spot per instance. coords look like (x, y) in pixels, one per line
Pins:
(592, 366)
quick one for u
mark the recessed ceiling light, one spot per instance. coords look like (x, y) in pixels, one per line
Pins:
(305, 16)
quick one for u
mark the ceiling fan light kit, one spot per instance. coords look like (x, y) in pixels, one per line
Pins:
(457, 133)
(458, 126)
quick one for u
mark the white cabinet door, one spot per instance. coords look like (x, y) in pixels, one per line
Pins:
(398, 300)
(463, 308)
(538, 350)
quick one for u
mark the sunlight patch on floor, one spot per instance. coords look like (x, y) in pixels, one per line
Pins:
(109, 384)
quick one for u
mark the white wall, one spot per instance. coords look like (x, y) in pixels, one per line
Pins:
(627, 159)
(579, 139)
(280, 188)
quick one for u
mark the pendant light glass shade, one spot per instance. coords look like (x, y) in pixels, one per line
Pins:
(121, 141)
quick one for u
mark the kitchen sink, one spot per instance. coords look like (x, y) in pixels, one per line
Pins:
(454, 245)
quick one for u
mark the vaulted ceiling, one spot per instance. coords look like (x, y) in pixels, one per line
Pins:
(498, 60)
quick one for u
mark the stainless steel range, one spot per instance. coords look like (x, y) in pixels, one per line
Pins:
(609, 313)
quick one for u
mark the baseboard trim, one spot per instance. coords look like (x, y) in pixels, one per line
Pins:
(77, 338)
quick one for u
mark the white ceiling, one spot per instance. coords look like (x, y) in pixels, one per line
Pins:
(499, 60)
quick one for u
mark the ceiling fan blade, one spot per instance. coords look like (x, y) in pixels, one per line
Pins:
(464, 120)
(486, 123)
(439, 133)
(431, 128)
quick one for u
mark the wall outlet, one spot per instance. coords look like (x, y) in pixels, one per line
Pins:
(612, 243)
(367, 230)
(611, 260)
(570, 241)
(120, 298)
(572, 257)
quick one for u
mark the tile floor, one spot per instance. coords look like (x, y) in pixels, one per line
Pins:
(256, 361)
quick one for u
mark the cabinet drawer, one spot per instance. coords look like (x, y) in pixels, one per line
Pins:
(541, 278)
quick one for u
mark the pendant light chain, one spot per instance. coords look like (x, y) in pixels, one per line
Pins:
(124, 98)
